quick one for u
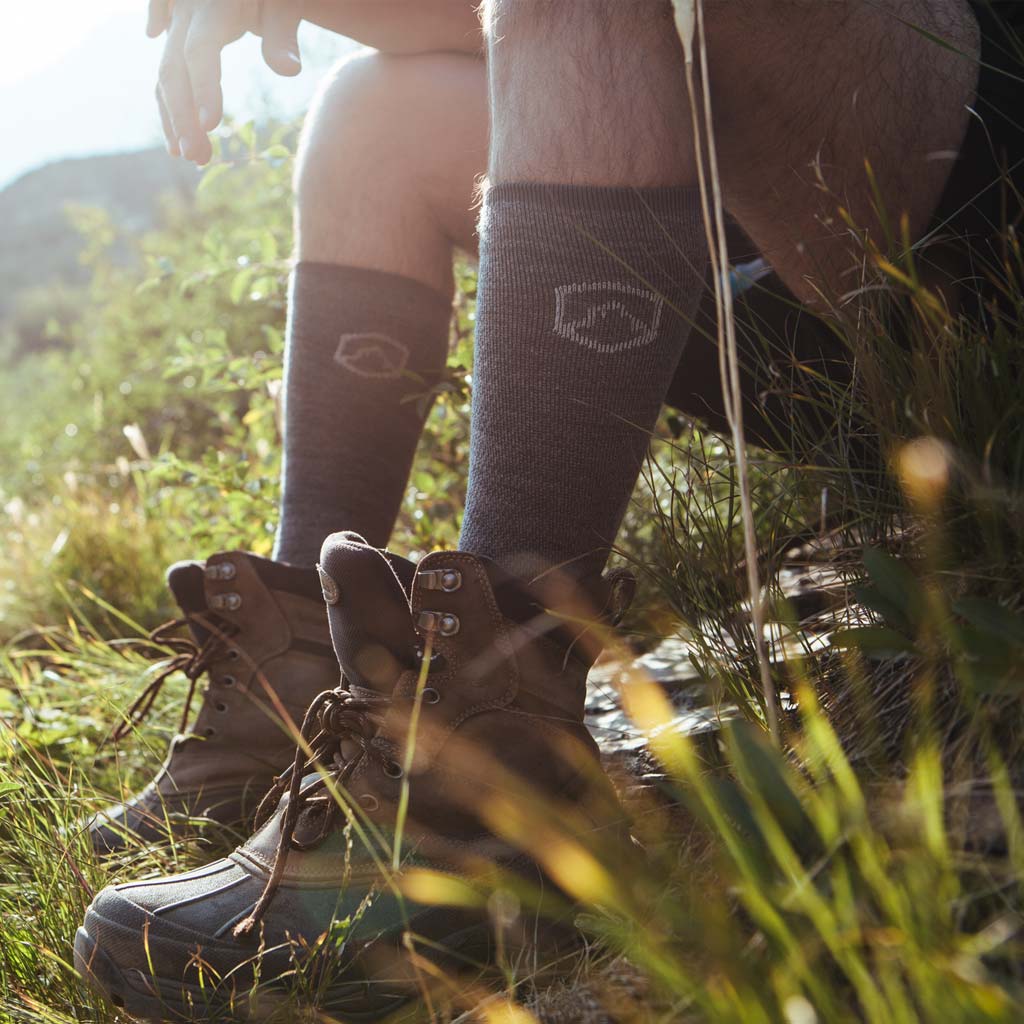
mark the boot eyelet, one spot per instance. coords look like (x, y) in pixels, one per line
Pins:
(234, 654)
(209, 731)
(228, 680)
(444, 623)
(436, 663)
(221, 571)
(220, 706)
(431, 696)
(446, 580)
(226, 602)
(369, 802)
(392, 769)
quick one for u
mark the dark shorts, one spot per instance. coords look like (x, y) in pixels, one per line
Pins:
(982, 196)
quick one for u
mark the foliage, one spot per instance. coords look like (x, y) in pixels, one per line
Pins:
(159, 402)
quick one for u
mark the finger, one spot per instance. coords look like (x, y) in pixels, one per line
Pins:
(202, 61)
(176, 92)
(212, 28)
(159, 17)
(280, 30)
(200, 150)
(169, 136)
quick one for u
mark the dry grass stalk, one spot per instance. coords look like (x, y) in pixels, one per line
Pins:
(689, 18)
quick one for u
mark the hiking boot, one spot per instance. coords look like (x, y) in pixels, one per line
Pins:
(257, 630)
(462, 695)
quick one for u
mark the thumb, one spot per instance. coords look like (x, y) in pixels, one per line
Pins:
(280, 30)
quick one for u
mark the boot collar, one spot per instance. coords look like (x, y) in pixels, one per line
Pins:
(483, 624)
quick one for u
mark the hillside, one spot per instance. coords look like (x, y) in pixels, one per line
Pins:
(40, 246)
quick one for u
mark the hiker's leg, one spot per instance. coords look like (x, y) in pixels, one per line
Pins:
(821, 89)
(389, 157)
(590, 93)
(799, 87)
(592, 256)
(825, 86)
(390, 154)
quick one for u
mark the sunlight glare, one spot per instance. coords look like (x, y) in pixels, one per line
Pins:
(45, 31)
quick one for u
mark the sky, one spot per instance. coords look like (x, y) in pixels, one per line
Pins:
(45, 31)
(77, 77)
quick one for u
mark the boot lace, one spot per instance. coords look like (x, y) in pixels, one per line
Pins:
(187, 656)
(335, 717)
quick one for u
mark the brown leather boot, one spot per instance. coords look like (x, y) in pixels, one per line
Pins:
(496, 720)
(257, 630)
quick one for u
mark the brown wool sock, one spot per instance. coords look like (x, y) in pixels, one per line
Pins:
(586, 298)
(365, 349)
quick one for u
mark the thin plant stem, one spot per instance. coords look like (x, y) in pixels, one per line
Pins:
(689, 17)
(410, 754)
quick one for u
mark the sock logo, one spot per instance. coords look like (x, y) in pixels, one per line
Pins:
(607, 316)
(375, 356)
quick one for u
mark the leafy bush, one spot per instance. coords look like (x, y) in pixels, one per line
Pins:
(158, 403)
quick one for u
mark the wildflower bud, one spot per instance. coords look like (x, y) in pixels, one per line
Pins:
(504, 909)
(133, 432)
(924, 469)
(799, 1011)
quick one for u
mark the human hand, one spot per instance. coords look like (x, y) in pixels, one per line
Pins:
(189, 91)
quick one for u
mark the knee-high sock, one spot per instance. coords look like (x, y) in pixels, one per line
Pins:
(586, 298)
(364, 350)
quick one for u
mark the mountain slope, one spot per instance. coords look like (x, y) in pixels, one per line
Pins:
(40, 247)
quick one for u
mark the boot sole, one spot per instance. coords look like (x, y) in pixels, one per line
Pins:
(151, 998)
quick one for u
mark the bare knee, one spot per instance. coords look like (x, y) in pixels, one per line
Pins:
(355, 125)
(387, 163)
(402, 118)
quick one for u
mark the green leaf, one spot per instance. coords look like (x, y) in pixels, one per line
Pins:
(989, 675)
(268, 247)
(246, 135)
(276, 155)
(763, 769)
(873, 641)
(896, 594)
(240, 285)
(732, 801)
(988, 661)
(992, 618)
(213, 173)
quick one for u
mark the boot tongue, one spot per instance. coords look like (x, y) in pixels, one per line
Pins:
(366, 591)
(185, 580)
